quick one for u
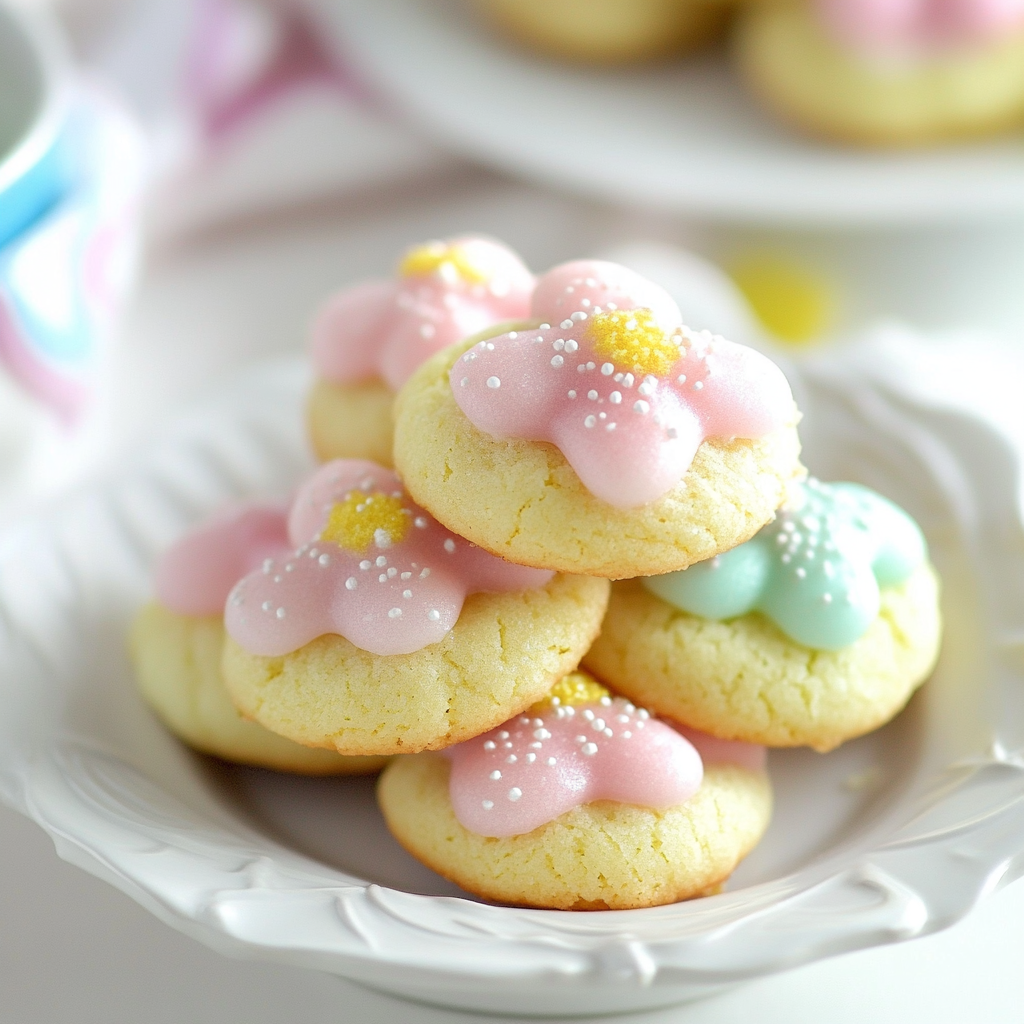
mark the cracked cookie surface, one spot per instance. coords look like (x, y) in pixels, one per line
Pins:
(522, 501)
(505, 652)
(600, 856)
(744, 679)
(177, 662)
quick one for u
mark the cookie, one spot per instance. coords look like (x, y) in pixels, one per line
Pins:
(887, 74)
(350, 421)
(817, 631)
(382, 632)
(177, 665)
(615, 443)
(608, 31)
(368, 338)
(580, 806)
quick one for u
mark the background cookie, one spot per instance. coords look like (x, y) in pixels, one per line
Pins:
(505, 652)
(601, 856)
(608, 31)
(522, 501)
(745, 679)
(177, 662)
(351, 421)
(817, 83)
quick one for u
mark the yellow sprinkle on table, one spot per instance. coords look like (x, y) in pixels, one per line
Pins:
(363, 519)
(574, 689)
(633, 340)
(794, 303)
(450, 262)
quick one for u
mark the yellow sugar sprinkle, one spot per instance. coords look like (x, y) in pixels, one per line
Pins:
(633, 341)
(795, 303)
(451, 262)
(363, 519)
(574, 689)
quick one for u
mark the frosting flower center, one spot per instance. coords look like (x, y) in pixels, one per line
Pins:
(363, 519)
(450, 262)
(634, 339)
(573, 690)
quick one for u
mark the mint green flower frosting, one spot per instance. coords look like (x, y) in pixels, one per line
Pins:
(816, 571)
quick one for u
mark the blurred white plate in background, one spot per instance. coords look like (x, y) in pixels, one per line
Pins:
(682, 136)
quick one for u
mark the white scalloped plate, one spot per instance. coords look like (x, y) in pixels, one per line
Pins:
(682, 136)
(888, 838)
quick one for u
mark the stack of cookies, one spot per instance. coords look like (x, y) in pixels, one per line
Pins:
(555, 739)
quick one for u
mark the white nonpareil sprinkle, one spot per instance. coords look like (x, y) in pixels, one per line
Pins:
(514, 793)
(395, 613)
(351, 583)
(592, 395)
(493, 382)
(641, 407)
(551, 762)
(590, 421)
(424, 572)
(571, 345)
(406, 575)
(381, 561)
(511, 759)
(698, 385)
(615, 397)
(324, 560)
(495, 775)
(572, 394)
(489, 744)
(607, 369)
(407, 594)
(590, 749)
(268, 564)
(392, 573)
(449, 545)
(487, 805)
(566, 325)
(420, 522)
(280, 613)
(266, 606)
(365, 564)
(434, 615)
(464, 381)
(557, 362)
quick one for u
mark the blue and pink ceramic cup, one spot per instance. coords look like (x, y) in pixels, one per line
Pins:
(70, 177)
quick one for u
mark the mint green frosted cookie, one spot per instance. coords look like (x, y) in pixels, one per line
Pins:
(816, 630)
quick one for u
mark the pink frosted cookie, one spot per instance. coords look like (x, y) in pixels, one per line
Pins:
(584, 802)
(888, 72)
(369, 338)
(606, 438)
(383, 632)
(177, 642)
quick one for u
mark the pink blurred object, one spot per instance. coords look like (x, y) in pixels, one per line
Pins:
(899, 24)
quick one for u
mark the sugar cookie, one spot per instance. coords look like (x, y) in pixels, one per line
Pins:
(368, 338)
(888, 72)
(615, 443)
(587, 804)
(382, 632)
(817, 630)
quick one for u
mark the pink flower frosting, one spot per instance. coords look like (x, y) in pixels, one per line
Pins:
(195, 576)
(613, 379)
(901, 24)
(446, 291)
(366, 563)
(534, 768)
